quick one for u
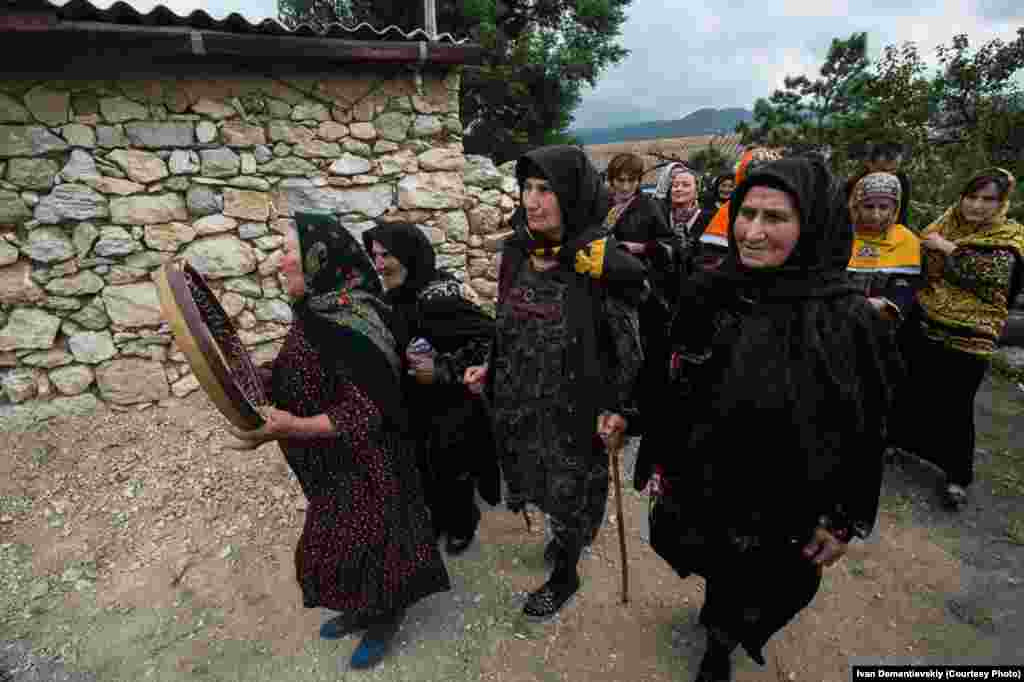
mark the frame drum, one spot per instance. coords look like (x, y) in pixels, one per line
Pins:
(204, 333)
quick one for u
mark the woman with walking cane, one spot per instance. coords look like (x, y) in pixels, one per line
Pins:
(565, 358)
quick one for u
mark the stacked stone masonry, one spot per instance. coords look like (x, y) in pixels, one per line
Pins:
(103, 182)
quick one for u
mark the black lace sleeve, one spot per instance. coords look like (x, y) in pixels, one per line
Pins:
(449, 368)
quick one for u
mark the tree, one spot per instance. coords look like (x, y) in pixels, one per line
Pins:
(711, 160)
(539, 55)
(806, 115)
(968, 115)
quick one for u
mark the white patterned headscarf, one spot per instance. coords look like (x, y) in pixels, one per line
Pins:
(664, 185)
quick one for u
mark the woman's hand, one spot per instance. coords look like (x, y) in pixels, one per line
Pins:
(824, 549)
(278, 424)
(936, 242)
(635, 248)
(421, 367)
(611, 429)
(475, 378)
(882, 306)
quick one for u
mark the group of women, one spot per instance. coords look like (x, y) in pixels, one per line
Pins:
(787, 337)
(945, 294)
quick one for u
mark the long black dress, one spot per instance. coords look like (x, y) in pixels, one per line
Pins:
(775, 423)
(451, 427)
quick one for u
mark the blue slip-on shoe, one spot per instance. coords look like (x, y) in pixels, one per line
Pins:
(375, 644)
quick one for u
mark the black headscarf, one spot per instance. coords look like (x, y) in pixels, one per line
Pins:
(810, 349)
(343, 314)
(581, 193)
(817, 266)
(410, 246)
(446, 320)
(583, 200)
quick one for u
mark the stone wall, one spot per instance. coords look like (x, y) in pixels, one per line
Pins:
(102, 182)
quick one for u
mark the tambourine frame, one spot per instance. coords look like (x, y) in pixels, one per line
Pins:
(201, 350)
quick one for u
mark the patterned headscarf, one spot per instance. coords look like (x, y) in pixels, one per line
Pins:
(346, 319)
(953, 226)
(874, 185)
(959, 308)
(664, 186)
(681, 215)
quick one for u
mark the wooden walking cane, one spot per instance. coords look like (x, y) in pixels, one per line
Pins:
(613, 453)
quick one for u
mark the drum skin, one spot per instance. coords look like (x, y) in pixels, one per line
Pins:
(205, 335)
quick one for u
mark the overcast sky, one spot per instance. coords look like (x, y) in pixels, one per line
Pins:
(689, 54)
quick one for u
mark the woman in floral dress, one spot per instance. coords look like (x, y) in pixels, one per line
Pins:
(366, 548)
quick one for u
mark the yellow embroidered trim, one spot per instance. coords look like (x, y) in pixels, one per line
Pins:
(590, 261)
(899, 251)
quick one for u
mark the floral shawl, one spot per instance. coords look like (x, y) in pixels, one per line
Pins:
(959, 310)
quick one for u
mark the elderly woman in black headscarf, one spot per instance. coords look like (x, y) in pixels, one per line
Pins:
(781, 378)
(366, 548)
(565, 358)
(452, 430)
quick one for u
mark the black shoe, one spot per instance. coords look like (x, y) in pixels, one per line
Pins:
(955, 497)
(456, 546)
(716, 666)
(549, 599)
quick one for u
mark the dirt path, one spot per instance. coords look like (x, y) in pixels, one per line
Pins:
(132, 547)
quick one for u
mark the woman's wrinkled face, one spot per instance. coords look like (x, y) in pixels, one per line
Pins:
(876, 214)
(684, 189)
(981, 205)
(291, 267)
(767, 227)
(543, 213)
(392, 272)
(725, 189)
(625, 184)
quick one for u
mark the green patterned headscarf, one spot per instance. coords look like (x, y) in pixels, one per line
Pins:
(345, 317)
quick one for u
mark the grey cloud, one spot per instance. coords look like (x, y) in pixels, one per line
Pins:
(1000, 10)
(686, 56)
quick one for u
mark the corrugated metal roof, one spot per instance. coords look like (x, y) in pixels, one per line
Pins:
(124, 14)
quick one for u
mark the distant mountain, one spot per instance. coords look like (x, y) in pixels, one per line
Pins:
(700, 122)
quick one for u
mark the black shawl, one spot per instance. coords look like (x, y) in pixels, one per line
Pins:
(584, 204)
(429, 304)
(447, 321)
(786, 376)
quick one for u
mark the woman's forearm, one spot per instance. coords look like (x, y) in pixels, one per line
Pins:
(319, 426)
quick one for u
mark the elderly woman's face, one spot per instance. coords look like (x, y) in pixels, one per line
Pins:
(981, 205)
(684, 188)
(392, 272)
(876, 214)
(625, 184)
(767, 227)
(291, 266)
(543, 212)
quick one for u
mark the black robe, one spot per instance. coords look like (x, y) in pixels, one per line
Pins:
(594, 354)
(450, 425)
(775, 422)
